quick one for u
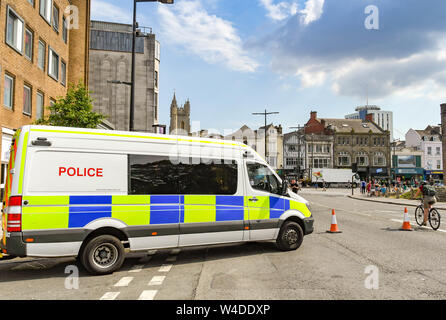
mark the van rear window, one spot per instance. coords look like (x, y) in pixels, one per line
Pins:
(150, 174)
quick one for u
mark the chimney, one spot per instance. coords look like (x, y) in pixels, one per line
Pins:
(369, 117)
(313, 115)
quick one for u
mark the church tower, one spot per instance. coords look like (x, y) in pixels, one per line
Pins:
(179, 118)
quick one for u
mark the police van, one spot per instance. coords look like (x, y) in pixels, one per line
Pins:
(97, 194)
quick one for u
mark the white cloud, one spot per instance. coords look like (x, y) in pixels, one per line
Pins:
(313, 11)
(281, 10)
(101, 10)
(189, 25)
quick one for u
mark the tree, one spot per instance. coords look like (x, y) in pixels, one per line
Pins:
(75, 110)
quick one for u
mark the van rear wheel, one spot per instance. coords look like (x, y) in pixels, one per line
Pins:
(103, 255)
(290, 236)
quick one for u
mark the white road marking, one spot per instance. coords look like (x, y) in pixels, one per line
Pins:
(175, 251)
(361, 214)
(157, 280)
(151, 252)
(165, 268)
(137, 268)
(124, 282)
(110, 296)
(148, 295)
(416, 225)
(171, 259)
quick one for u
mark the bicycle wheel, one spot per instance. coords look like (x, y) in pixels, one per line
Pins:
(434, 218)
(419, 215)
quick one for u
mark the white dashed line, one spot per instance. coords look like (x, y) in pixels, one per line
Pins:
(171, 259)
(148, 295)
(165, 268)
(151, 252)
(157, 280)
(175, 251)
(110, 296)
(124, 282)
(137, 268)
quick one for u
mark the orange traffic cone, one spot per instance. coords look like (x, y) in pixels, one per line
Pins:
(334, 224)
(406, 222)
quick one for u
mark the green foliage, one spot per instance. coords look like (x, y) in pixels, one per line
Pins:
(75, 110)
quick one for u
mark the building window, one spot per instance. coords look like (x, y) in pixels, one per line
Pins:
(63, 72)
(155, 106)
(56, 18)
(29, 38)
(321, 163)
(429, 150)
(41, 55)
(27, 92)
(8, 96)
(45, 9)
(343, 159)
(362, 159)
(39, 105)
(438, 151)
(53, 64)
(14, 30)
(380, 160)
(64, 30)
(156, 79)
(438, 164)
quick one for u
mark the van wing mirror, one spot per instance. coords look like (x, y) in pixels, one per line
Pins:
(285, 186)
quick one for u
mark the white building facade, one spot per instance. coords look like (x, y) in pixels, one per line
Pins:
(382, 118)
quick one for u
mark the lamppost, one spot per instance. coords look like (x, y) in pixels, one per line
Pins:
(266, 131)
(132, 91)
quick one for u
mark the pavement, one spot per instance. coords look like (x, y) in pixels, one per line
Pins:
(370, 259)
(358, 196)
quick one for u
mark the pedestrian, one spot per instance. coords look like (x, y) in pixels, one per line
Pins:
(363, 186)
(294, 186)
(369, 187)
(324, 187)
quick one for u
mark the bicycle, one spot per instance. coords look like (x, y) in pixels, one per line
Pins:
(434, 216)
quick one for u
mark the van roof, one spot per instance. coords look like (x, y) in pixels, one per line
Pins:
(130, 134)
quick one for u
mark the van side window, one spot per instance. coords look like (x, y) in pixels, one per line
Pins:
(261, 178)
(207, 176)
(150, 174)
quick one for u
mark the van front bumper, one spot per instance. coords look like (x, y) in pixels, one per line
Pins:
(14, 245)
(308, 225)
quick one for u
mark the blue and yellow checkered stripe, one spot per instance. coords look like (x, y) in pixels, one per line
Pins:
(63, 212)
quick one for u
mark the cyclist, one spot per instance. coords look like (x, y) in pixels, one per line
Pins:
(428, 192)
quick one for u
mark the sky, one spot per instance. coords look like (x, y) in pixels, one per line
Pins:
(235, 57)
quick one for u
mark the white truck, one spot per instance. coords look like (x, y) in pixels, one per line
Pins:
(340, 178)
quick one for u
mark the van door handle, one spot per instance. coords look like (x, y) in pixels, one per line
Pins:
(253, 199)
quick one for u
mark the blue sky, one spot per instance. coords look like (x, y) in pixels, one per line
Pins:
(235, 57)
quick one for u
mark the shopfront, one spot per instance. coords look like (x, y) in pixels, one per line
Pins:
(408, 174)
(434, 175)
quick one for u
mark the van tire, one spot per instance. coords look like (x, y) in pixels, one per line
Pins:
(112, 250)
(290, 236)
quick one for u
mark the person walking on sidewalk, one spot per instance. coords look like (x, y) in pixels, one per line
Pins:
(428, 191)
(363, 186)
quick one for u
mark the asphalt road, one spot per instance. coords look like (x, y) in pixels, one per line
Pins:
(406, 265)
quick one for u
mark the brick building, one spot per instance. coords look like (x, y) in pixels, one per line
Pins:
(338, 143)
(43, 48)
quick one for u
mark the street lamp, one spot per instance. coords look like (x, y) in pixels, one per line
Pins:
(132, 91)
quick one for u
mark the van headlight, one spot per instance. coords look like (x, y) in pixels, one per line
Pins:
(309, 207)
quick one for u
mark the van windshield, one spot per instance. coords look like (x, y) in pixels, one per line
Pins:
(263, 179)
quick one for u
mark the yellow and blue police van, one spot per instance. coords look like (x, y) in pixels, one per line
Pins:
(98, 194)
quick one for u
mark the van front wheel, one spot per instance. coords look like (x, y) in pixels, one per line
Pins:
(290, 236)
(103, 255)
